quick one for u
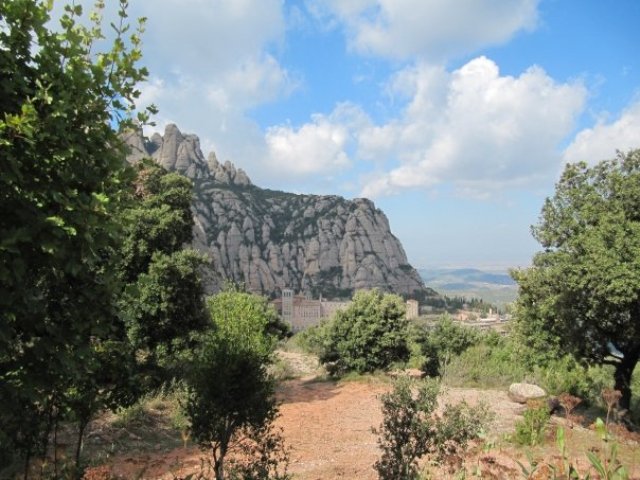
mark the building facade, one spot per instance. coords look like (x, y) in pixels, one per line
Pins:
(301, 312)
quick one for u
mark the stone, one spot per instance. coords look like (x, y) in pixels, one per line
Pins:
(135, 143)
(269, 240)
(523, 392)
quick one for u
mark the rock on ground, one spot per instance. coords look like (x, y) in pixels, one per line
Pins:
(523, 392)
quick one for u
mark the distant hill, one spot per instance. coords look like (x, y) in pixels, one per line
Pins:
(494, 287)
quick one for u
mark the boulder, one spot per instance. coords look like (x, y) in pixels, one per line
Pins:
(523, 392)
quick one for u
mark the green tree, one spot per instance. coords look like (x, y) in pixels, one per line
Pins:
(231, 398)
(370, 334)
(163, 298)
(582, 293)
(61, 185)
(443, 341)
(158, 221)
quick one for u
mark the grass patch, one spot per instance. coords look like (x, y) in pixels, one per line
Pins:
(484, 366)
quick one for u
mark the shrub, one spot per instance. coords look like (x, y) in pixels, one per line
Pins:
(457, 425)
(410, 429)
(133, 416)
(407, 429)
(562, 375)
(314, 339)
(486, 366)
(444, 341)
(530, 430)
(370, 334)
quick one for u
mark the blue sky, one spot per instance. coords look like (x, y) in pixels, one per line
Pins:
(455, 117)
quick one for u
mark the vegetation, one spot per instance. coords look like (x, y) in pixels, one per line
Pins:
(231, 402)
(102, 305)
(604, 460)
(162, 302)
(411, 429)
(582, 293)
(531, 429)
(369, 335)
(444, 340)
(63, 183)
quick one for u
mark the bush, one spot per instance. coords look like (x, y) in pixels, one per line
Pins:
(457, 425)
(314, 339)
(486, 366)
(406, 433)
(133, 416)
(496, 362)
(410, 429)
(446, 340)
(530, 430)
(370, 334)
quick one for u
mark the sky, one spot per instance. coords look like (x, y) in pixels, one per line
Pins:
(455, 117)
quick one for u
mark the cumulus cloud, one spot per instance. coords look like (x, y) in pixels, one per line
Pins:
(430, 29)
(207, 36)
(210, 62)
(474, 128)
(320, 146)
(601, 142)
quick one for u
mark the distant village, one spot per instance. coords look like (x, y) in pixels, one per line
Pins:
(302, 312)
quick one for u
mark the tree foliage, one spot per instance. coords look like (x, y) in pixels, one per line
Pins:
(370, 334)
(61, 186)
(583, 291)
(159, 222)
(444, 340)
(163, 299)
(231, 393)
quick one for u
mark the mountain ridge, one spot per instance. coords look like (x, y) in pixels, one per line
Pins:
(269, 240)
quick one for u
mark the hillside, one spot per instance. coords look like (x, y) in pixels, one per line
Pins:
(495, 287)
(268, 240)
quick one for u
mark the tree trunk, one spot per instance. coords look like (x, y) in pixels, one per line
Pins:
(218, 465)
(82, 425)
(622, 376)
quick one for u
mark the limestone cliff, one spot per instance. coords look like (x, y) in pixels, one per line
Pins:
(268, 240)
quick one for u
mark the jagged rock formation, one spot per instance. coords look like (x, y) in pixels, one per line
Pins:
(268, 240)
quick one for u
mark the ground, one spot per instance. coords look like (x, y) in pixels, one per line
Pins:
(327, 426)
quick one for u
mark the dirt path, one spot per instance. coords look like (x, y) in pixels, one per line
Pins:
(326, 424)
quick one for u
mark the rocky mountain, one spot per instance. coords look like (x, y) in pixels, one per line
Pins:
(268, 240)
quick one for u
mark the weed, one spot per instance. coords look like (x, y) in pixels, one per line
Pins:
(569, 403)
(530, 430)
(132, 416)
(611, 398)
(607, 464)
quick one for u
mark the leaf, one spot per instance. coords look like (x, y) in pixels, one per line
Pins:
(597, 464)
(56, 220)
(560, 439)
(601, 429)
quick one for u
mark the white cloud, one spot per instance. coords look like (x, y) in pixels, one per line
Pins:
(432, 29)
(210, 62)
(473, 128)
(207, 36)
(601, 142)
(316, 147)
